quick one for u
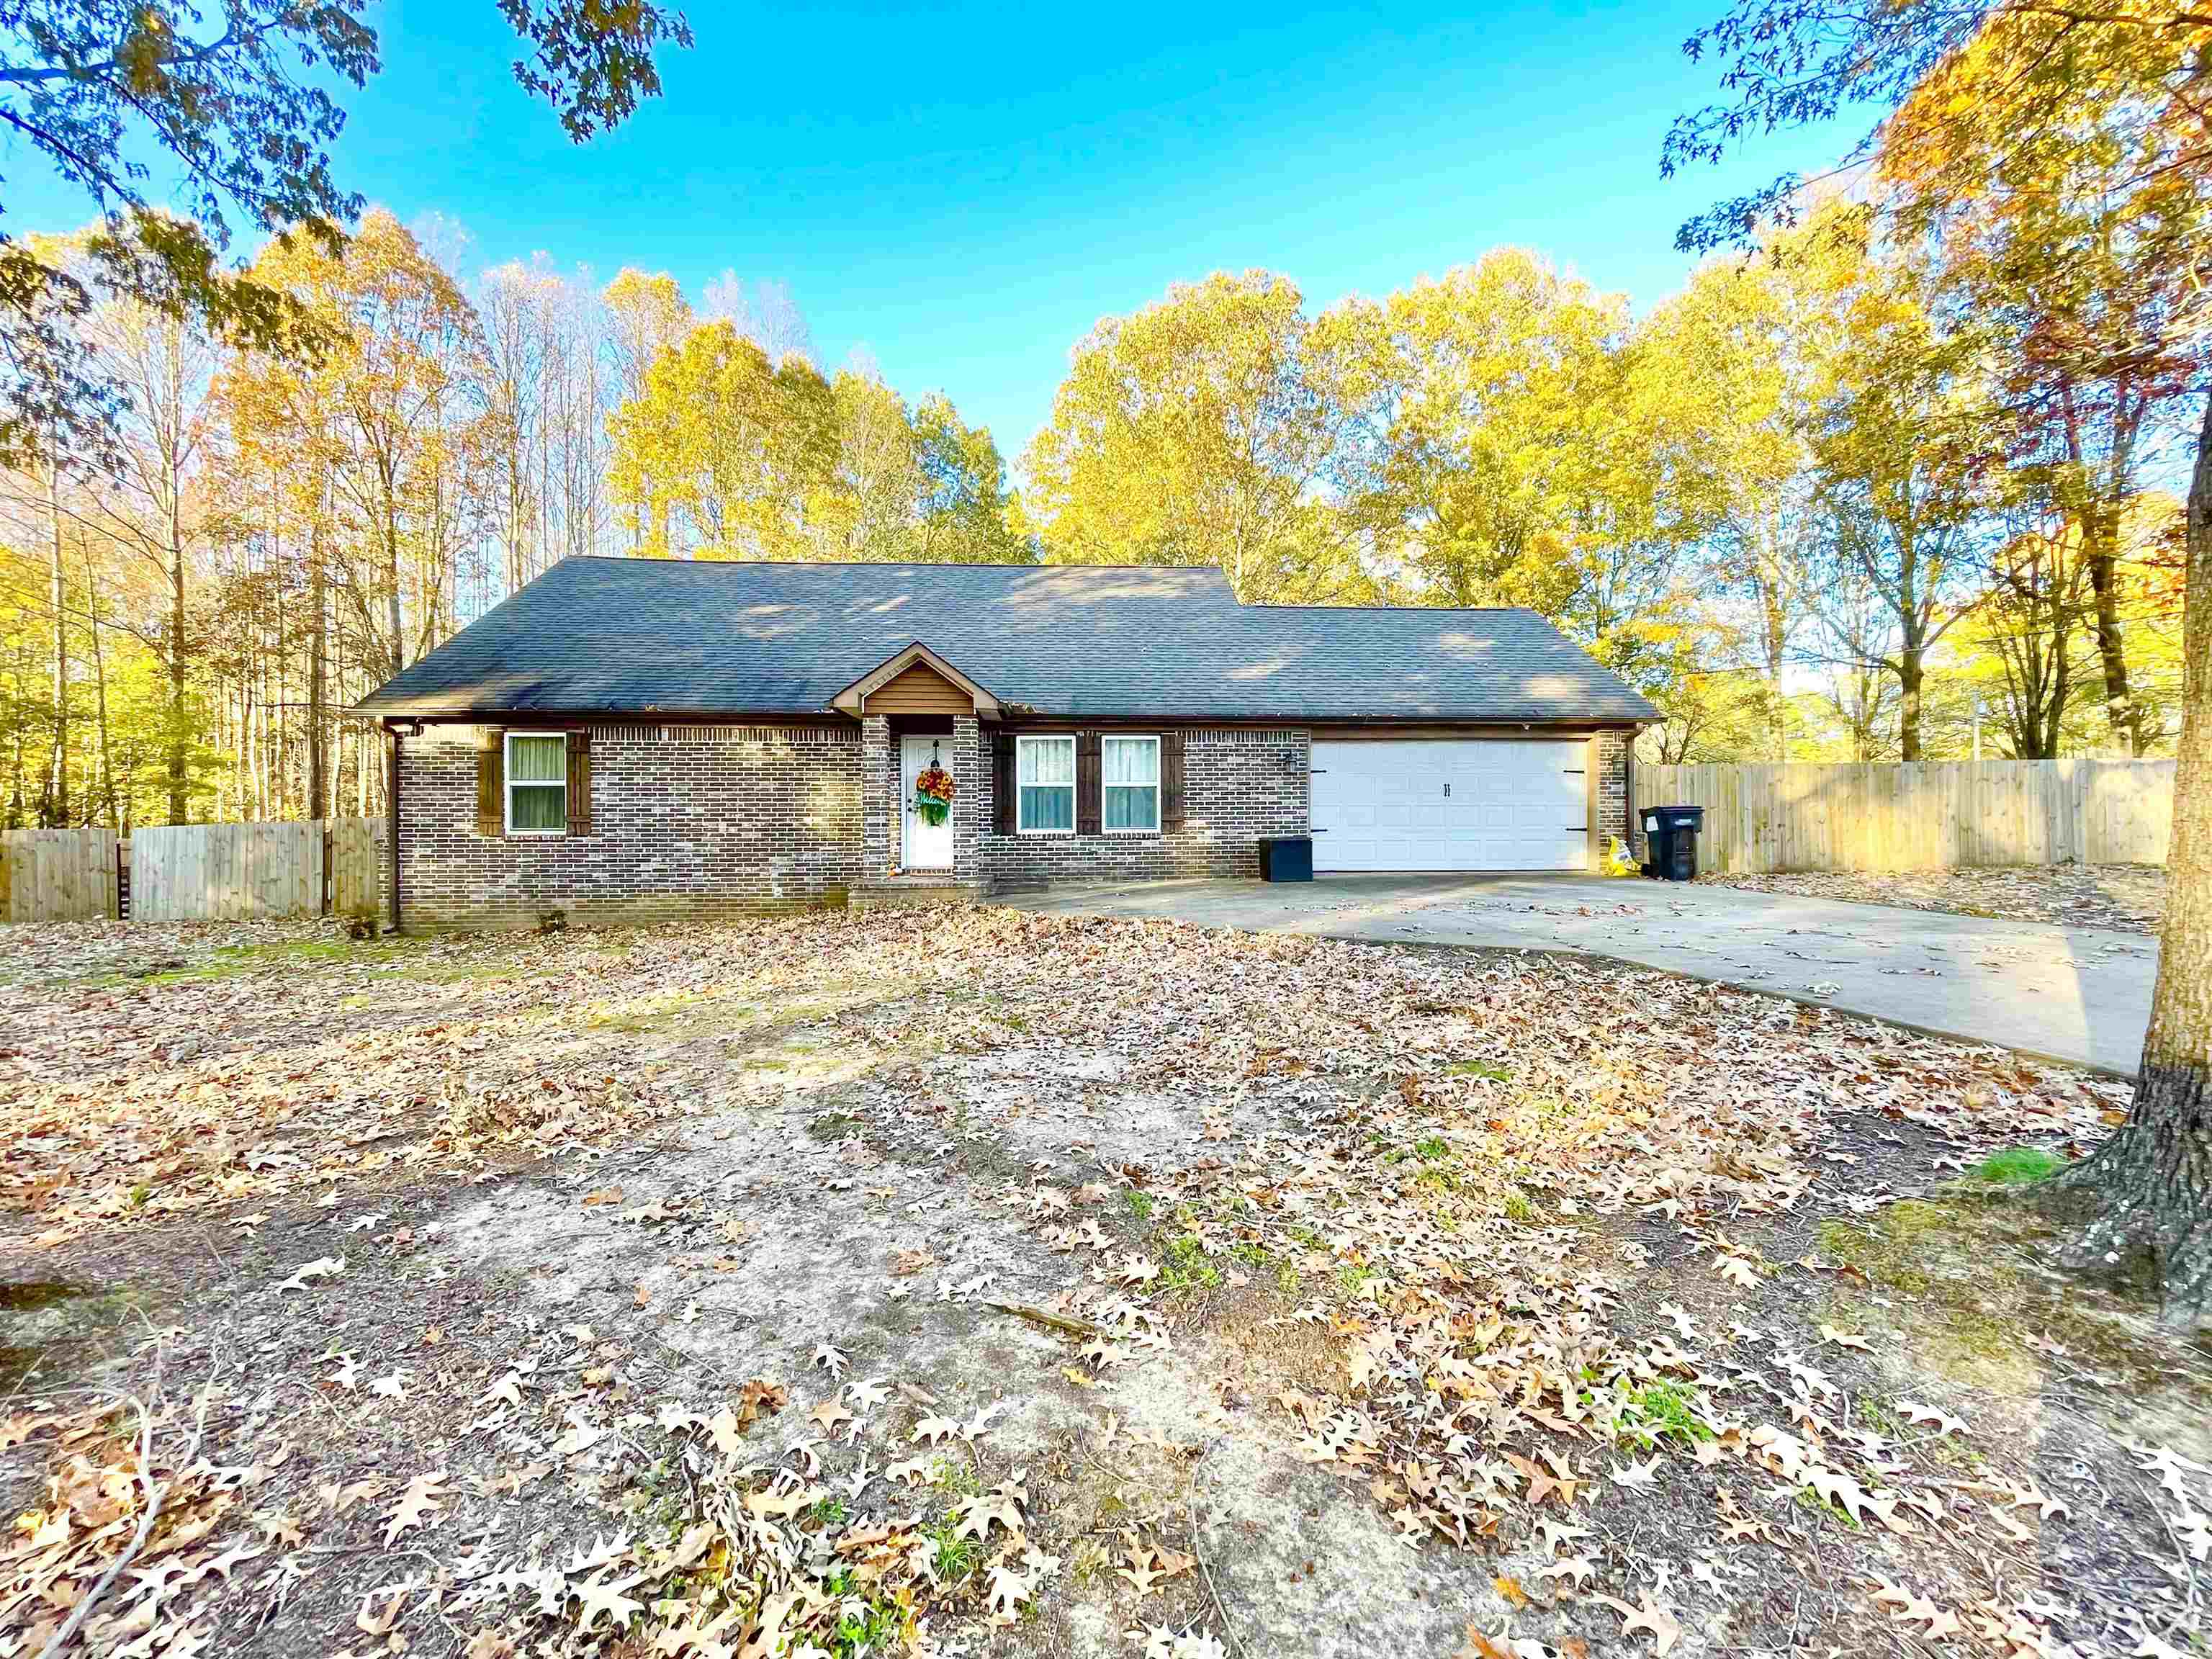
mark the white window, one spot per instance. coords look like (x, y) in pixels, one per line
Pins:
(537, 783)
(1129, 769)
(1044, 786)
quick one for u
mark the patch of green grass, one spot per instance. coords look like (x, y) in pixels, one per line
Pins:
(1140, 1203)
(1886, 1253)
(829, 1514)
(1957, 1284)
(2017, 1166)
(1519, 1206)
(1302, 1234)
(957, 1479)
(1664, 1410)
(833, 1125)
(1809, 1499)
(1478, 1068)
(648, 1013)
(1185, 1268)
(1877, 1416)
(867, 1627)
(226, 961)
(1433, 1152)
(405, 958)
(957, 1557)
(1286, 1280)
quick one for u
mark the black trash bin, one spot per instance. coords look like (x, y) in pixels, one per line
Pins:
(1672, 832)
(1287, 858)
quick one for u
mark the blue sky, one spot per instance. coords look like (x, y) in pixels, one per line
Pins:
(963, 190)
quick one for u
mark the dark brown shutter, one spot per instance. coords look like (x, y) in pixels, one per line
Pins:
(1003, 800)
(1088, 812)
(580, 783)
(491, 781)
(1171, 785)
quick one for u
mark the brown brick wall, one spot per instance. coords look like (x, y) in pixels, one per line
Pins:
(1239, 786)
(1613, 785)
(687, 821)
(691, 822)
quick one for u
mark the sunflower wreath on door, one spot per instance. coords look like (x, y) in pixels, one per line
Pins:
(932, 794)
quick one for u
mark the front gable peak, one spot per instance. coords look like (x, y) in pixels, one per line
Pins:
(915, 681)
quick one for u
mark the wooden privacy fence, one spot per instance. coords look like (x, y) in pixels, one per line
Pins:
(1920, 816)
(192, 872)
(57, 875)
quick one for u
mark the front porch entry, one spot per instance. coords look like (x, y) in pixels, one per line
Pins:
(922, 845)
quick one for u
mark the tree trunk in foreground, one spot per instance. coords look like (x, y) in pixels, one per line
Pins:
(2153, 1179)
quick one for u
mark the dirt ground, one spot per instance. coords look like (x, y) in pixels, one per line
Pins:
(970, 1283)
(2130, 898)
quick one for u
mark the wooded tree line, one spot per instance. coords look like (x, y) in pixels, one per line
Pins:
(1828, 503)
(1899, 484)
(189, 603)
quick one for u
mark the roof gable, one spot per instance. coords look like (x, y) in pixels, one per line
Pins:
(924, 678)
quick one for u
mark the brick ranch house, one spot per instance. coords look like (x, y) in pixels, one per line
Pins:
(638, 740)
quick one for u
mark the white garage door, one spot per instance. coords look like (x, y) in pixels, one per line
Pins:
(1450, 805)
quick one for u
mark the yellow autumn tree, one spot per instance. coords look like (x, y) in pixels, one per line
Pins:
(1201, 429)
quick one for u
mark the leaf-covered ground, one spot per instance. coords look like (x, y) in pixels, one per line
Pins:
(2130, 898)
(989, 1284)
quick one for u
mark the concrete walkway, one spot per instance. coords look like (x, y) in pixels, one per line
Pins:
(2078, 995)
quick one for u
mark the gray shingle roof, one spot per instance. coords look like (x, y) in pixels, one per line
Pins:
(597, 636)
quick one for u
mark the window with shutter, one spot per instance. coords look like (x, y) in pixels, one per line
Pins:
(1044, 786)
(1129, 785)
(491, 782)
(1087, 821)
(1004, 796)
(537, 783)
(580, 783)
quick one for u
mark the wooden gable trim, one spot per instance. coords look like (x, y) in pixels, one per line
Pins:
(854, 698)
(919, 689)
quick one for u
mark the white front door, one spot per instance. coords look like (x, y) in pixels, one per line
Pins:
(925, 846)
(1415, 804)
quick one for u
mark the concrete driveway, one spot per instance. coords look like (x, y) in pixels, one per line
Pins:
(2078, 995)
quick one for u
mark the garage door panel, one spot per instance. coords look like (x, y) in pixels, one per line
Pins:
(1453, 806)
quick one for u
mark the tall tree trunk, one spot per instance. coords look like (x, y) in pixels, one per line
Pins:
(2152, 1178)
(392, 576)
(1910, 674)
(99, 689)
(1774, 637)
(318, 781)
(57, 807)
(179, 736)
(2099, 552)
